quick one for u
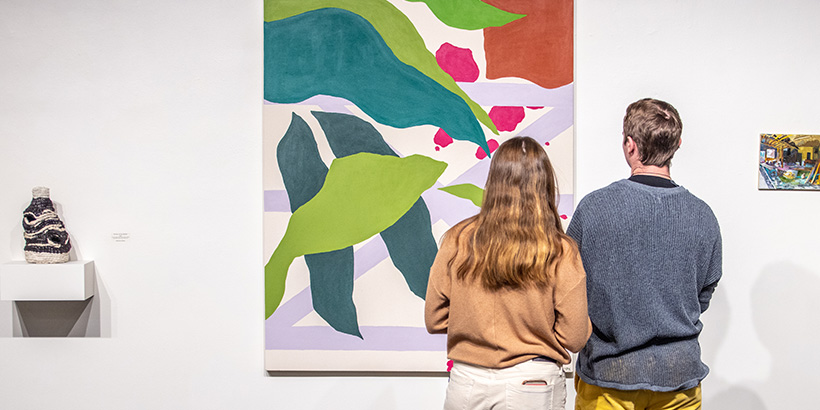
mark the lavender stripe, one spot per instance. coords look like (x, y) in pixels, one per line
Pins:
(550, 125)
(476, 175)
(277, 201)
(544, 129)
(326, 103)
(447, 207)
(566, 204)
(482, 93)
(381, 338)
(531, 95)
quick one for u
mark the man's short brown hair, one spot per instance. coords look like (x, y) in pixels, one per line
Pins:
(655, 126)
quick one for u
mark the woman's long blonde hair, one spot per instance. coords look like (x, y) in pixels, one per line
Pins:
(516, 239)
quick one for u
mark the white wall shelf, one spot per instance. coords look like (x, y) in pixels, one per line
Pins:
(22, 281)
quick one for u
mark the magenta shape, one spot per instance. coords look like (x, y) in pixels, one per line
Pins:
(442, 139)
(458, 62)
(480, 154)
(506, 118)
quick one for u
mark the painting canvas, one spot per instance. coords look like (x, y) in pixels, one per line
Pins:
(789, 161)
(380, 120)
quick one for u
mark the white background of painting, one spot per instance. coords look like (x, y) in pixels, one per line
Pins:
(145, 118)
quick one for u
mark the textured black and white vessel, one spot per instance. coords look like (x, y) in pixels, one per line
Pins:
(46, 237)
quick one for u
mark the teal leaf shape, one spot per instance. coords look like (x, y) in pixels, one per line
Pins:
(302, 169)
(412, 247)
(339, 53)
(331, 289)
(397, 31)
(331, 273)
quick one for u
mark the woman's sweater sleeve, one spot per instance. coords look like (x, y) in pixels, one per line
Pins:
(572, 326)
(437, 300)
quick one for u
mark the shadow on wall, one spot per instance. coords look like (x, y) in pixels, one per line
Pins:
(86, 318)
(786, 316)
(715, 324)
(53, 318)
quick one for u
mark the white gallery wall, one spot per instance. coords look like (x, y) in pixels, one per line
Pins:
(144, 117)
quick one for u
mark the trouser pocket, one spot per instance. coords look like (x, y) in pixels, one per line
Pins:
(459, 393)
(533, 395)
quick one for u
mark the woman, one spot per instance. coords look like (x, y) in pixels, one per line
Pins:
(508, 288)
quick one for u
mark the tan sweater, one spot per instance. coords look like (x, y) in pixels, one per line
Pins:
(501, 328)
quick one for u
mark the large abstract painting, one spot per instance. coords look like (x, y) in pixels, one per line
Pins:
(380, 120)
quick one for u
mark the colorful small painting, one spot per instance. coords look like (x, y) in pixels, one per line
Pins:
(789, 161)
(380, 121)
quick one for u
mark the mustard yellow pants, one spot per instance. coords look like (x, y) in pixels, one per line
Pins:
(590, 397)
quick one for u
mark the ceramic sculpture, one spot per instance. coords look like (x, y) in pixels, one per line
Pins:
(46, 237)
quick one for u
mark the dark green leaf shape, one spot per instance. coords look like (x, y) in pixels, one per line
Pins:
(466, 191)
(410, 240)
(412, 247)
(348, 135)
(469, 14)
(302, 169)
(331, 289)
(398, 33)
(363, 194)
(331, 273)
(336, 52)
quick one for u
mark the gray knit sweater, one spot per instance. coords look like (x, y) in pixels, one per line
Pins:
(652, 258)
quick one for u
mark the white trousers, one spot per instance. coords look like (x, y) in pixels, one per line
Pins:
(529, 385)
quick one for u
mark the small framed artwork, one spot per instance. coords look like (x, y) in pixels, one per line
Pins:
(789, 161)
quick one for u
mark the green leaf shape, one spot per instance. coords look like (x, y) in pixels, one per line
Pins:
(410, 240)
(363, 195)
(466, 191)
(398, 33)
(469, 14)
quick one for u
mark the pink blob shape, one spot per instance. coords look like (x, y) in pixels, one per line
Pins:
(449, 365)
(506, 118)
(535, 108)
(458, 62)
(563, 216)
(480, 154)
(493, 144)
(438, 148)
(547, 143)
(442, 139)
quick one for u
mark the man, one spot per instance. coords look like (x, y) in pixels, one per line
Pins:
(652, 254)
